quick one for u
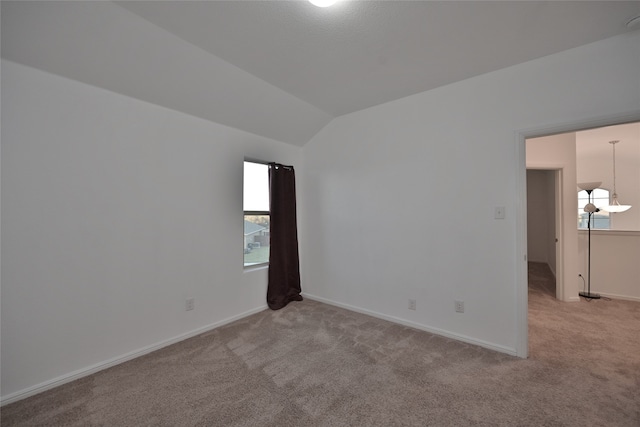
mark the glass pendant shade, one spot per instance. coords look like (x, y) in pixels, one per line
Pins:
(615, 206)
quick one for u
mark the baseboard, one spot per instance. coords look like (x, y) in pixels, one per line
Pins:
(436, 331)
(622, 297)
(47, 385)
(553, 272)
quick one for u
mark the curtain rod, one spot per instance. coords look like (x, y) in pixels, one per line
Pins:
(278, 165)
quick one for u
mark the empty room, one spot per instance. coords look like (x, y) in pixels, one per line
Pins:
(285, 213)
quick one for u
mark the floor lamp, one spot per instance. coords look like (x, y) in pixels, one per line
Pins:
(591, 209)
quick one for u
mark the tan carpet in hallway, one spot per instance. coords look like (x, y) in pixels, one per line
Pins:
(312, 364)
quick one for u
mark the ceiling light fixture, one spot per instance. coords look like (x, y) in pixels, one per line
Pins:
(322, 3)
(615, 206)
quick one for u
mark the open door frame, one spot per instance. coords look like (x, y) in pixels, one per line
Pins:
(559, 232)
(521, 280)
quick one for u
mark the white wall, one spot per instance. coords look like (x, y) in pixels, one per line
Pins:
(540, 217)
(113, 212)
(536, 223)
(552, 229)
(559, 152)
(615, 270)
(400, 197)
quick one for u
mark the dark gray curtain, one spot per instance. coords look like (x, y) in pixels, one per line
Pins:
(284, 265)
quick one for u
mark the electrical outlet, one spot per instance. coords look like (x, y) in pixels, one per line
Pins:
(190, 304)
(459, 306)
(412, 304)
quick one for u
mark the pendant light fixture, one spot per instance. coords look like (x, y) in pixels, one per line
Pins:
(615, 206)
(322, 3)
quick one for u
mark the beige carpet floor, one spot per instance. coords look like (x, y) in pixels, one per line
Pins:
(312, 364)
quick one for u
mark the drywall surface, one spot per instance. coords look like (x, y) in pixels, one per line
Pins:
(114, 211)
(400, 198)
(554, 193)
(540, 219)
(615, 270)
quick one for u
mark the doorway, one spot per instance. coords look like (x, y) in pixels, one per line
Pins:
(544, 227)
(564, 167)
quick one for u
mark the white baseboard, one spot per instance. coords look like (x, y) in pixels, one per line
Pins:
(553, 272)
(436, 331)
(623, 297)
(80, 373)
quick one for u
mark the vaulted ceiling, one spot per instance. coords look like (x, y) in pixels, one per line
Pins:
(284, 69)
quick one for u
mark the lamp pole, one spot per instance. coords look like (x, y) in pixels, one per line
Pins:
(591, 210)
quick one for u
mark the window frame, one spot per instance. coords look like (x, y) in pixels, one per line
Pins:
(595, 220)
(246, 213)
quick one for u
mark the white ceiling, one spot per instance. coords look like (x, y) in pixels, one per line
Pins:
(284, 69)
(594, 156)
(594, 143)
(362, 53)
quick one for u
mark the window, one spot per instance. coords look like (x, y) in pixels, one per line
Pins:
(256, 213)
(599, 220)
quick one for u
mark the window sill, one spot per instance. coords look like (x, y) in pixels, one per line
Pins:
(255, 267)
(610, 232)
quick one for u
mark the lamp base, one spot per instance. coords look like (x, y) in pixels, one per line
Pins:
(590, 295)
